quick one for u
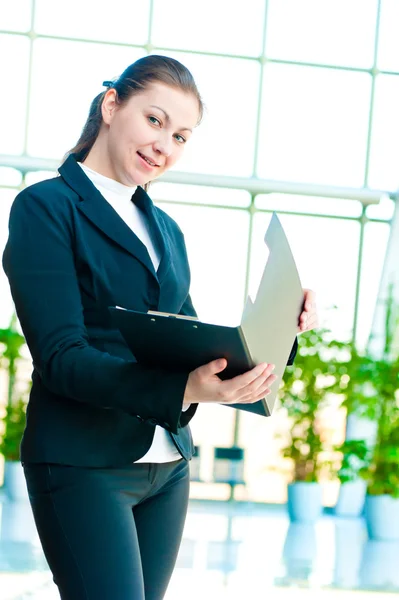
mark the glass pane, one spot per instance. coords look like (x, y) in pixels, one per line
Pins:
(314, 125)
(199, 194)
(122, 21)
(309, 31)
(375, 244)
(13, 74)
(224, 142)
(15, 15)
(212, 427)
(6, 303)
(383, 210)
(215, 29)
(265, 483)
(384, 153)
(309, 204)
(9, 176)
(325, 265)
(61, 97)
(388, 47)
(217, 244)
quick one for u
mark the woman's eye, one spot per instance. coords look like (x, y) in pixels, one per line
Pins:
(180, 139)
(154, 120)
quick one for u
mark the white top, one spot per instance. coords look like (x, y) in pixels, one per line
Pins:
(119, 197)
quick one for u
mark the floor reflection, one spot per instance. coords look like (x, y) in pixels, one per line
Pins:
(379, 568)
(299, 553)
(350, 538)
(224, 547)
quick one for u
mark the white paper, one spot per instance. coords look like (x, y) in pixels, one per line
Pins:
(270, 324)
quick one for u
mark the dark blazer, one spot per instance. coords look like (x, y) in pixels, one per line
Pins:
(69, 257)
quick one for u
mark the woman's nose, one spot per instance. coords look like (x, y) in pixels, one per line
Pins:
(164, 146)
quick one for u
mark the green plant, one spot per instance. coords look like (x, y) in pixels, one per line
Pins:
(356, 456)
(314, 383)
(11, 342)
(374, 388)
(359, 400)
(383, 472)
(14, 422)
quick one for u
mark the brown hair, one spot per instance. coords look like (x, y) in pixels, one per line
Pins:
(134, 79)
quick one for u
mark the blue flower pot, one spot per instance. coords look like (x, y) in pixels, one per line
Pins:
(382, 517)
(304, 501)
(351, 499)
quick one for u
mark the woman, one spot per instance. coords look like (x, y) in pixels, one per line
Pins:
(107, 442)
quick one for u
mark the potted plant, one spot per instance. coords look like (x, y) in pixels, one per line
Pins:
(361, 429)
(311, 385)
(382, 500)
(355, 460)
(382, 474)
(11, 342)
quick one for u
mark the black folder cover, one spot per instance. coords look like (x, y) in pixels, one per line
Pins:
(181, 344)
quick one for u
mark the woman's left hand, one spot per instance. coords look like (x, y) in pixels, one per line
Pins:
(308, 318)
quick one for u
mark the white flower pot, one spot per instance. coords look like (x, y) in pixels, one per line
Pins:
(14, 481)
(382, 517)
(304, 501)
(351, 499)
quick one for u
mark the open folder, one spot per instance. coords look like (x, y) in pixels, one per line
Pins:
(266, 333)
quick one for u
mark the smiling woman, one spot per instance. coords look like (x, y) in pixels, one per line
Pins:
(107, 440)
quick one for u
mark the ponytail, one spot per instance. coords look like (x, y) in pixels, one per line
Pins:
(90, 130)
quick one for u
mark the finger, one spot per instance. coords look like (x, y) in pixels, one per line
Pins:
(303, 317)
(307, 314)
(308, 325)
(302, 323)
(260, 391)
(313, 320)
(233, 394)
(311, 326)
(256, 383)
(259, 383)
(213, 367)
(309, 299)
(240, 381)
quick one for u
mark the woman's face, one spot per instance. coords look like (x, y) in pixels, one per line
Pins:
(147, 135)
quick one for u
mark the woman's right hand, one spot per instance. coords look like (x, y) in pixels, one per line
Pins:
(204, 385)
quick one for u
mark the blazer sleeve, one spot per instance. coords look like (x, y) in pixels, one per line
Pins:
(293, 352)
(40, 264)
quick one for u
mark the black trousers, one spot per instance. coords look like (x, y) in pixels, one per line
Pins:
(110, 534)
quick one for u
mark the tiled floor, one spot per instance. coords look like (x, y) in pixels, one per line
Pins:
(232, 552)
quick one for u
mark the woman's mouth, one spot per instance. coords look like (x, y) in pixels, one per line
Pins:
(147, 161)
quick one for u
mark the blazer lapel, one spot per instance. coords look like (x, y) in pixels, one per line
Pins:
(158, 231)
(101, 213)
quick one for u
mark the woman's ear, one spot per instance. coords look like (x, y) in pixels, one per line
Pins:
(109, 106)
